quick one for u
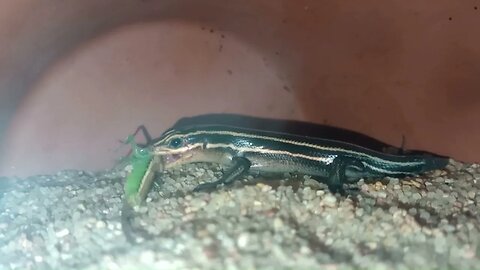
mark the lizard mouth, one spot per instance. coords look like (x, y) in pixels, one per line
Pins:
(176, 158)
(172, 158)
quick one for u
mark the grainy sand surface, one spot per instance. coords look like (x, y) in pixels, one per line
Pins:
(72, 220)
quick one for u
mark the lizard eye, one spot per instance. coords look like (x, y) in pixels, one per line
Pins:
(176, 143)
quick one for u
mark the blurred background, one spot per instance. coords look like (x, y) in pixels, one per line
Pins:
(75, 77)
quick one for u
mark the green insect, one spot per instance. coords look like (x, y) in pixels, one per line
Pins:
(138, 182)
(140, 178)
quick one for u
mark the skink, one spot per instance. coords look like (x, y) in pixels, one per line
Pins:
(251, 150)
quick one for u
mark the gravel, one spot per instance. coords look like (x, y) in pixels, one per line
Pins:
(72, 220)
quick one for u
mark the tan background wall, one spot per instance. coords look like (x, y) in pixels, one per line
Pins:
(77, 76)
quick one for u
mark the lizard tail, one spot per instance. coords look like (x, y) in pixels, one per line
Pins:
(435, 163)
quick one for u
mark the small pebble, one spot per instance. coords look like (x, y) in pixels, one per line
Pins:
(100, 224)
(329, 201)
(416, 196)
(147, 257)
(278, 224)
(62, 233)
(242, 240)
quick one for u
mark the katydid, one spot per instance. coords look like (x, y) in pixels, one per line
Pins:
(138, 181)
(144, 164)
